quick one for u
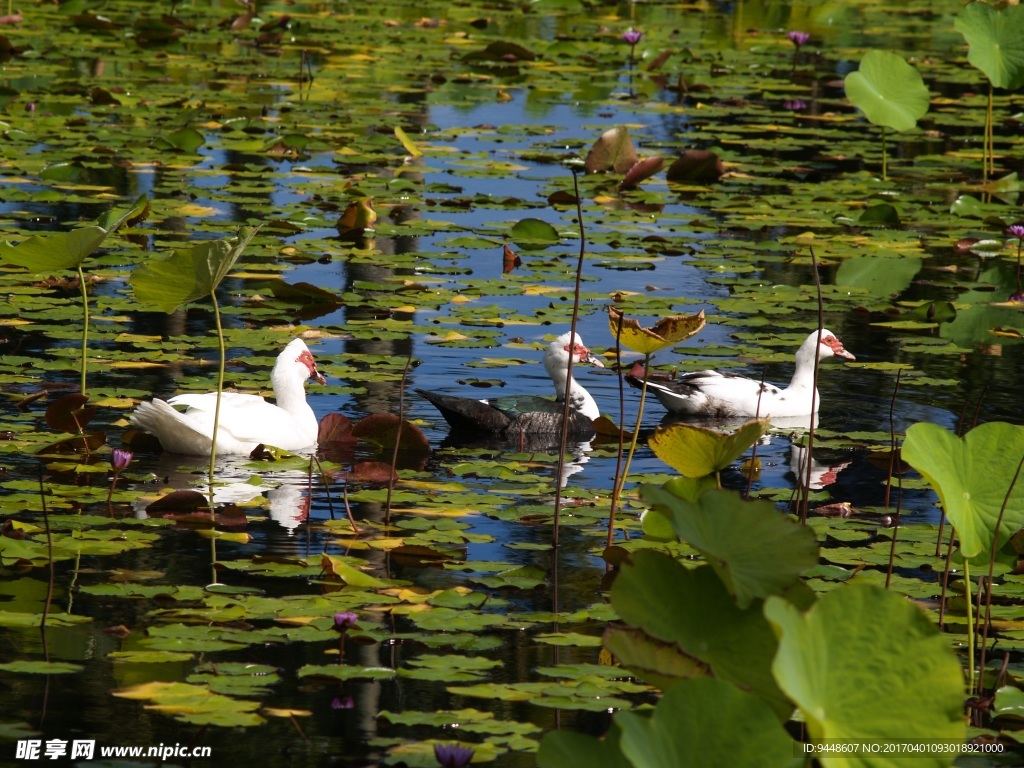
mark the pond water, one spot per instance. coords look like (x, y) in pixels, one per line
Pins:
(430, 286)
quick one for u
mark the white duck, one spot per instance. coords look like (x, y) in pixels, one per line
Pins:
(514, 415)
(246, 421)
(717, 395)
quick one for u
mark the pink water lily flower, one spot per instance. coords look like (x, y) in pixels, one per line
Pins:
(798, 38)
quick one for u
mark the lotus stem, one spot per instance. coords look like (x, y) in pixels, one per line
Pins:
(398, 439)
(222, 349)
(991, 570)
(621, 480)
(85, 325)
(563, 442)
(970, 625)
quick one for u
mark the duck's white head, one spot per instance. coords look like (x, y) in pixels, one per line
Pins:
(566, 345)
(556, 363)
(828, 346)
(298, 360)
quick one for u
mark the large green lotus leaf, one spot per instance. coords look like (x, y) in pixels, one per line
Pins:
(567, 749)
(695, 451)
(972, 476)
(188, 274)
(995, 40)
(685, 729)
(878, 275)
(836, 662)
(888, 90)
(114, 218)
(54, 252)
(755, 550)
(67, 250)
(692, 608)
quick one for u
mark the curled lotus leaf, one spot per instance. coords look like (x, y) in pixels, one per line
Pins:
(664, 333)
(696, 451)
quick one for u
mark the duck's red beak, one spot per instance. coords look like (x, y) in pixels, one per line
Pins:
(837, 347)
(582, 355)
(306, 358)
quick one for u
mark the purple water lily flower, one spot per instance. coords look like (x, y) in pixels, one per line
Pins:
(798, 38)
(344, 621)
(632, 36)
(343, 703)
(794, 104)
(453, 755)
(1016, 230)
(120, 459)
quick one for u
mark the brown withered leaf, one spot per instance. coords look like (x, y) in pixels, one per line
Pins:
(382, 429)
(509, 261)
(642, 169)
(69, 414)
(696, 165)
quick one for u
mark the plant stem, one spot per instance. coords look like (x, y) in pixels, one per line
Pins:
(885, 154)
(970, 625)
(221, 347)
(620, 482)
(85, 325)
(1018, 266)
(398, 439)
(988, 161)
(568, 379)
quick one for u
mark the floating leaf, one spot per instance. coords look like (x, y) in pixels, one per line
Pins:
(1009, 702)
(41, 667)
(194, 704)
(187, 140)
(879, 215)
(334, 566)
(534, 232)
(178, 501)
